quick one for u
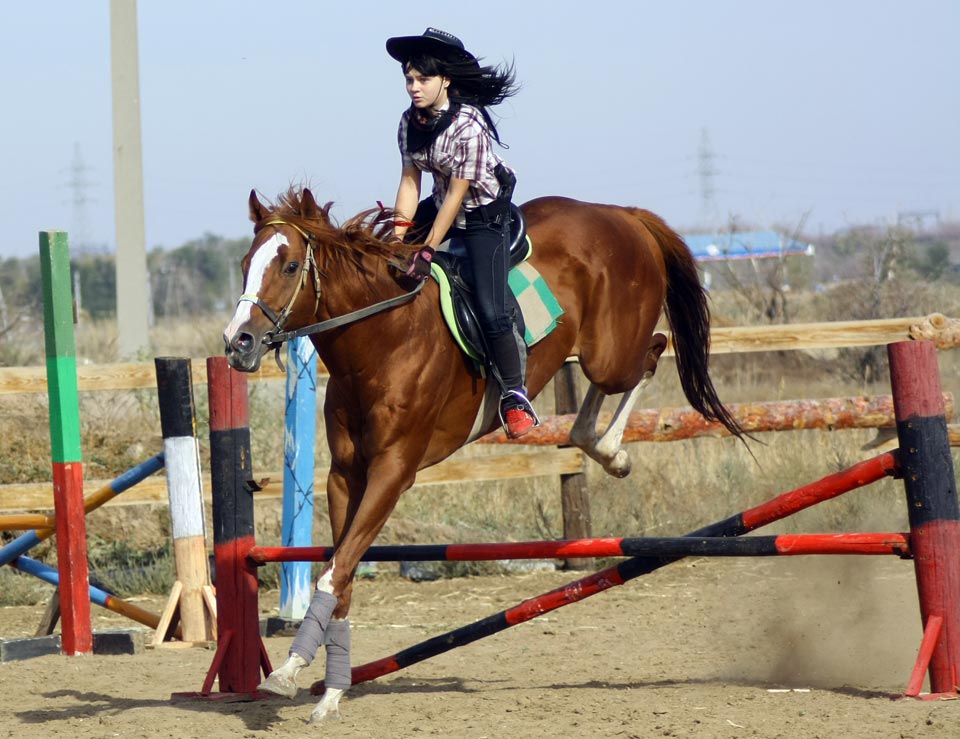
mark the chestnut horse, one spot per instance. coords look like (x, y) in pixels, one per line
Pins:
(401, 396)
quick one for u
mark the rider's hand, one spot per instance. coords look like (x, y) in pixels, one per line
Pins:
(419, 267)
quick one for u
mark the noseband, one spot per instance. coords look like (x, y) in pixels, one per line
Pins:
(277, 336)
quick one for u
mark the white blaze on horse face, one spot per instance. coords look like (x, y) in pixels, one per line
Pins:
(265, 254)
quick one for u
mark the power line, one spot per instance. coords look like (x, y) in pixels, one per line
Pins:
(707, 172)
(80, 188)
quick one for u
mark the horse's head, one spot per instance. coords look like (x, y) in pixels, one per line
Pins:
(281, 281)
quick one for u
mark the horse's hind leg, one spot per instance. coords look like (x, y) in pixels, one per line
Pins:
(607, 450)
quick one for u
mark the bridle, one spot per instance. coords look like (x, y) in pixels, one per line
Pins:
(276, 336)
(307, 267)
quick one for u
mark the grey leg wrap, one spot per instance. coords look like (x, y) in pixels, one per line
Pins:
(337, 640)
(310, 634)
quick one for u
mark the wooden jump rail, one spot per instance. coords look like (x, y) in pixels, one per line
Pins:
(677, 546)
(923, 462)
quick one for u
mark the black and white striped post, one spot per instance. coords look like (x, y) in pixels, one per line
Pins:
(191, 595)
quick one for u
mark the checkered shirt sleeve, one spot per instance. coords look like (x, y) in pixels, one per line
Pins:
(463, 150)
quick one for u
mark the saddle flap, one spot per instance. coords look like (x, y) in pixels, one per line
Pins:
(457, 305)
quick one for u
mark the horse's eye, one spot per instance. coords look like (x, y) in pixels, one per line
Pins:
(291, 268)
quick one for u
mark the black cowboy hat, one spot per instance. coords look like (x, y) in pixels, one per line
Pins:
(433, 41)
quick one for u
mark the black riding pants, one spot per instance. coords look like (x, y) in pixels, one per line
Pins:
(486, 240)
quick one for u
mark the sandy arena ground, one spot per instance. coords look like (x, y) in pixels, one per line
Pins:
(785, 647)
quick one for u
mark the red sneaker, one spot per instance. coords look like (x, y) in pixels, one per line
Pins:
(519, 422)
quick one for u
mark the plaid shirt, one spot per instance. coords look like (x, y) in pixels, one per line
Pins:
(463, 150)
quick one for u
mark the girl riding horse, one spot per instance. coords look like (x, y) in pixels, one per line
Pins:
(447, 131)
(401, 396)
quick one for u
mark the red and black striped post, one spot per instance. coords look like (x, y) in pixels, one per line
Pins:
(240, 652)
(933, 508)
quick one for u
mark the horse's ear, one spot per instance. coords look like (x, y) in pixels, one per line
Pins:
(308, 205)
(257, 211)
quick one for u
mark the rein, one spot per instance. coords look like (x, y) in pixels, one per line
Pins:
(277, 337)
(347, 318)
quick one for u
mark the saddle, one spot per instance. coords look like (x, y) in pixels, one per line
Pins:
(452, 263)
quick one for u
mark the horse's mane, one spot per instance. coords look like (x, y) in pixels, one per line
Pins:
(367, 233)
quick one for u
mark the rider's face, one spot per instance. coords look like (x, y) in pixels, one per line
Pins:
(426, 92)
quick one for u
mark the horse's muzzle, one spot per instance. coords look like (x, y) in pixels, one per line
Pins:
(243, 351)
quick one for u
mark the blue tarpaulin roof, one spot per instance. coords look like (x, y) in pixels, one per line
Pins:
(744, 245)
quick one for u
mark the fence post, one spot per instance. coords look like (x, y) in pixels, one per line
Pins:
(238, 657)
(76, 634)
(298, 455)
(178, 424)
(574, 496)
(932, 503)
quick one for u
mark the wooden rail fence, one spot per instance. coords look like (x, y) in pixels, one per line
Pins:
(653, 425)
(943, 331)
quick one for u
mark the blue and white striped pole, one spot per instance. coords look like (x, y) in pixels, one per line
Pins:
(299, 437)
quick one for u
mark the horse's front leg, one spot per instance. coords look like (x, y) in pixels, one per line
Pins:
(387, 479)
(326, 619)
(325, 622)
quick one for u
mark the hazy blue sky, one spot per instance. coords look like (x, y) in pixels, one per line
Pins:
(847, 110)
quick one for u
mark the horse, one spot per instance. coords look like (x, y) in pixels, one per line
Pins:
(401, 396)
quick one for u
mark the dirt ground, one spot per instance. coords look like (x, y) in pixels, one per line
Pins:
(786, 647)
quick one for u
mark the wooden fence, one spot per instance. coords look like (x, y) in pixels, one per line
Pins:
(546, 461)
(943, 331)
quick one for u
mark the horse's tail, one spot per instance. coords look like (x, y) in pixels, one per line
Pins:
(689, 317)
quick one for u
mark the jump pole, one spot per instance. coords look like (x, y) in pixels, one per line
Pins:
(97, 595)
(25, 521)
(782, 506)
(25, 542)
(934, 511)
(678, 546)
(76, 634)
(299, 441)
(12, 553)
(192, 597)
(673, 424)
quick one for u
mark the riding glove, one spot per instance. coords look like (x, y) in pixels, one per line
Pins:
(419, 268)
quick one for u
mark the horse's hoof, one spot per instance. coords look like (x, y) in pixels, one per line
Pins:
(323, 716)
(620, 465)
(279, 685)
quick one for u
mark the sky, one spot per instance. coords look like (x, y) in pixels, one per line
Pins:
(822, 113)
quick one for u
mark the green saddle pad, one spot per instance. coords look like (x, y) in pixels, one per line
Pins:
(540, 308)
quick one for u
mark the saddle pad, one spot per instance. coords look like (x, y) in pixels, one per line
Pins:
(539, 307)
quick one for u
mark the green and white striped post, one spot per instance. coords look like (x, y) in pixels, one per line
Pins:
(76, 636)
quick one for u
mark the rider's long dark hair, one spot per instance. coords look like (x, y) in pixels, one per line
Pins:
(470, 83)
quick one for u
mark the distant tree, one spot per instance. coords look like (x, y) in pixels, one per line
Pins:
(199, 277)
(762, 286)
(885, 285)
(932, 262)
(98, 284)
